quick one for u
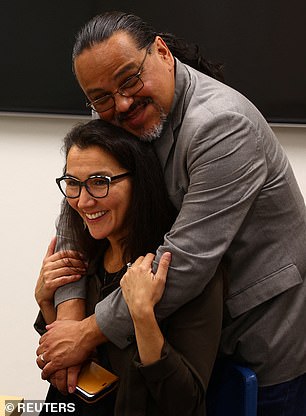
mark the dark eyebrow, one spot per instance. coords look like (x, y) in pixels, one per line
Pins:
(101, 173)
(95, 90)
(92, 174)
(70, 176)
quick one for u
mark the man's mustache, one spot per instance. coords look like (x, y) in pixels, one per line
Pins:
(140, 102)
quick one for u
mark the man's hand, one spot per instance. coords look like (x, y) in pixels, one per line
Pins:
(67, 343)
(58, 269)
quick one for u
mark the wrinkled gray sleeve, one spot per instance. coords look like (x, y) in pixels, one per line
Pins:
(75, 290)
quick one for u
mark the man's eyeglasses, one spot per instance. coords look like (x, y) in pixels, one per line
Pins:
(129, 88)
(96, 185)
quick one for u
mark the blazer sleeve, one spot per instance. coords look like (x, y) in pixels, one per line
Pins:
(75, 290)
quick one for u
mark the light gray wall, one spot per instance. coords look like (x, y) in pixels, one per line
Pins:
(30, 159)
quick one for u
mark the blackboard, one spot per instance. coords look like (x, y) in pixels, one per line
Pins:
(261, 45)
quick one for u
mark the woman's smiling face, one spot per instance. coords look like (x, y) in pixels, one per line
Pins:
(105, 217)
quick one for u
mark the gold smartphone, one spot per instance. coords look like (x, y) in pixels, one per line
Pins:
(95, 382)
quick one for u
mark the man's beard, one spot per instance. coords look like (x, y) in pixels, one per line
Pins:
(155, 131)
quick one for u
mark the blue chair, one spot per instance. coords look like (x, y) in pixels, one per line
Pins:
(232, 391)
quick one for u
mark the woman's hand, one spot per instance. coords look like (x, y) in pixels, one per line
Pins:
(57, 270)
(66, 380)
(141, 288)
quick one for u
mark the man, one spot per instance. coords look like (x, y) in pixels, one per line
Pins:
(238, 204)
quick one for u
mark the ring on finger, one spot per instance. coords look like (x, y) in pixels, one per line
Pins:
(42, 358)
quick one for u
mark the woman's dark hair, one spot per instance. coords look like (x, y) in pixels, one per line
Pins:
(150, 215)
(103, 26)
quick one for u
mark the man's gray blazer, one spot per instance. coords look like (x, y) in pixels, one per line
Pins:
(240, 206)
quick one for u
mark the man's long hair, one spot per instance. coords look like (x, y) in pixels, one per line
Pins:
(103, 26)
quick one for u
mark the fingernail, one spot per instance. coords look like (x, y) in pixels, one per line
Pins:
(71, 389)
(167, 255)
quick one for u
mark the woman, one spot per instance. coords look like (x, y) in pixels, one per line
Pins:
(117, 209)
